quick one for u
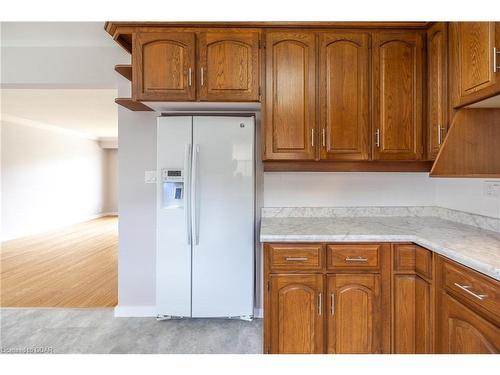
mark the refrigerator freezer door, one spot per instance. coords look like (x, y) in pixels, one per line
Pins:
(173, 256)
(223, 226)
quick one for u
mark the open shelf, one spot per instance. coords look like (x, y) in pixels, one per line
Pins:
(124, 70)
(132, 105)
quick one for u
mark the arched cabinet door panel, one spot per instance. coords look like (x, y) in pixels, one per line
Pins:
(397, 96)
(344, 99)
(290, 110)
(163, 66)
(229, 66)
(354, 314)
(465, 332)
(296, 314)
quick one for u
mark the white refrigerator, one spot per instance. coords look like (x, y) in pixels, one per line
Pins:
(205, 216)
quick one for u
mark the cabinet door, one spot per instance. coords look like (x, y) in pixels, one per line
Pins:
(163, 66)
(397, 96)
(354, 317)
(290, 121)
(437, 104)
(229, 66)
(412, 315)
(296, 314)
(465, 332)
(343, 77)
(474, 43)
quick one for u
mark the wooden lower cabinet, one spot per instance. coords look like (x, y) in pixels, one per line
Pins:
(466, 332)
(413, 302)
(296, 313)
(354, 312)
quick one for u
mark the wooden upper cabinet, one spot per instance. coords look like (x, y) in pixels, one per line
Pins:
(290, 108)
(465, 332)
(437, 86)
(229, 66)
(354, 314)
(163, 66)
(296, 314)
(472, 59)
(343, 96)
(397, 96)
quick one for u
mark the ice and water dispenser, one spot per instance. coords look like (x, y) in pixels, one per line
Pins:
(173, 187)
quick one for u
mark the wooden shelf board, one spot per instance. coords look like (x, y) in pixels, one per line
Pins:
(347, 166)
(471, 147)
(133, 105)
(125, 71)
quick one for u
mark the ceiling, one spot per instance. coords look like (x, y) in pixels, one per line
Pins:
(90, 112)
(52, 34)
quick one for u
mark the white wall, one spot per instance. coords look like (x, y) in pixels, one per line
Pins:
(110, 180)
(49, 179)
(287, 189)
(466, 194)
(137, 210)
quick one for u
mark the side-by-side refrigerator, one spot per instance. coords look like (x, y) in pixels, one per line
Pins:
(205, 216)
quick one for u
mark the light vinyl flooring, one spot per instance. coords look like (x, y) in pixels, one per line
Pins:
(97, 331)
(71, 267)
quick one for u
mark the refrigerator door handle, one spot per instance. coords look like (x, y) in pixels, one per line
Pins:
(187, 187)
(195, 224)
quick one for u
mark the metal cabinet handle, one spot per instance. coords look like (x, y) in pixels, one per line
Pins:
(377, 137)
(312, 137)
(299, 259)
(466, 288)
(320, 304)
(439, 134)
(202, 79)
(190, 77)
(358, 259)
(495, 53)
(323, 137)
(332, 306)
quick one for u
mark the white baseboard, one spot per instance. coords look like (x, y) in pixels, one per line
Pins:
(258, 312)
(135, 311)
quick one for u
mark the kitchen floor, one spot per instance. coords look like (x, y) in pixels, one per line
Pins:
(98, 331)
(70, 267)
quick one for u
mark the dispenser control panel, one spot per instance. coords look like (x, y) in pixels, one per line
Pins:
(172, 175)
(173, 187)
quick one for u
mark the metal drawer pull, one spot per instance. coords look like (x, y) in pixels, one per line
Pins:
(358, 259)
(333, 304)
(320, 303)
(298, 259)
(465, 288)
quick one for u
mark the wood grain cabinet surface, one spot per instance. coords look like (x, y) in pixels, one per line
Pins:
(397, 96)
(344, 95)
(163, 65)
(437, 87)
(290, 107)
(465, 331)
(408, 300)
(472, 46)
(296, 314)
(229, 66)
(354, 314)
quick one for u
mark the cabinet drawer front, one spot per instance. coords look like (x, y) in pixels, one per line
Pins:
(471, 286)
(354, 257)
(295, 257)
